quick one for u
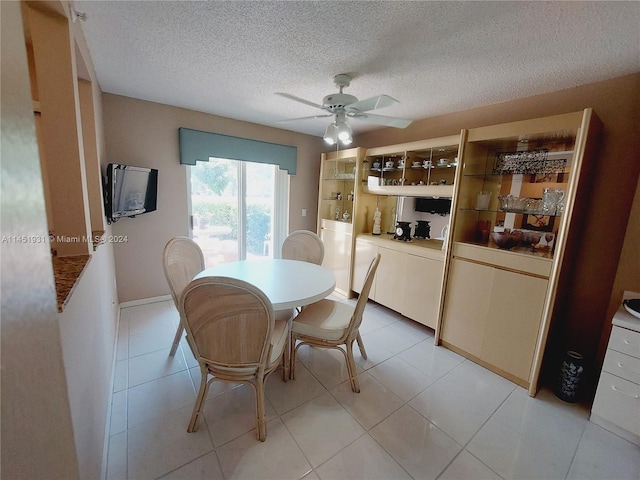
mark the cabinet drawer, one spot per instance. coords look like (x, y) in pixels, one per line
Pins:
(618, 401)
(621, 365)
(625, 341)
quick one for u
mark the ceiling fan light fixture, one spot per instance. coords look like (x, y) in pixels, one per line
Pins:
(344, 133)
(331, 134)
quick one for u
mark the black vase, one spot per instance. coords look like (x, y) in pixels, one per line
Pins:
(571, 368)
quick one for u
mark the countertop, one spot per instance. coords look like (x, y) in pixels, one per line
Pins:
(417, 246)
(624, 319)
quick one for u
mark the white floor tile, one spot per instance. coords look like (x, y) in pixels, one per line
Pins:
(286, 396)
(467, 467)
(423, 412)
(401, 378)
(151, 341)
(432, 360)
(159, 397)
(364, 459)
(328, 365)
(374, 403)
(163, 444)
(322, 427)
(603, 455)
(154, 365)
(121, 376)
(397, 337)
(514, 456)
(117, 457)
(151, 317)
(422, 449)
(233, 413)
(278, 457)
(462, 401)
(118, 419)
(206, 467)
(544, 417)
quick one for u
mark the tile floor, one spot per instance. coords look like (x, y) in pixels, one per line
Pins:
(423, 413)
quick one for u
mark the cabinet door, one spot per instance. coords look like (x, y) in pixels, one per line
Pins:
(390, 278)
(422, 290)
(342, 262)
(467, 305)
(513, 322)
(337, 257)
(365, 252)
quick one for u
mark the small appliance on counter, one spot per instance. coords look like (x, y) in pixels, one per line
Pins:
(423, 229)
(403, 231)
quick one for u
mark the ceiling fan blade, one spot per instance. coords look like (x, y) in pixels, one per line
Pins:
(304, 118)
(382, 120)
(372, 103)
(301, 100)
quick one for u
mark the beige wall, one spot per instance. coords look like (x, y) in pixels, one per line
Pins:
(608, 261)
(56, 367)
(37, 431)
(146, 134)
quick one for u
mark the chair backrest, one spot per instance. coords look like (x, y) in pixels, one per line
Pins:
(356, 320)
(229, 322)
(303, 245)
(182, 260)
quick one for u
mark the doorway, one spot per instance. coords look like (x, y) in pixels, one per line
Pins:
(239, 210)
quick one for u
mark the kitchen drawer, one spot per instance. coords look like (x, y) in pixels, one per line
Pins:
(618, 402)
(623, 366)
(625, 341)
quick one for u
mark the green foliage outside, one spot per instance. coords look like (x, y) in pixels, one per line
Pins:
(220, 213)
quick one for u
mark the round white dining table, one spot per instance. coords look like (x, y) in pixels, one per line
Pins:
(287, 283)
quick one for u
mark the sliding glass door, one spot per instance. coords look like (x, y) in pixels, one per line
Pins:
(238, 209)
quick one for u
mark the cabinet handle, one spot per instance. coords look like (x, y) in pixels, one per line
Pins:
(621, 366)
(636, 397)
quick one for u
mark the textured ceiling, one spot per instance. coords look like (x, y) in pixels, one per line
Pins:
(229, 58)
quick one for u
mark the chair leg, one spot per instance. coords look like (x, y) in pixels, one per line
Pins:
(261, 424)
(363, 352)
(176, 339)
(351, 368)
(286, 360)
(197, 407)
(294, 351)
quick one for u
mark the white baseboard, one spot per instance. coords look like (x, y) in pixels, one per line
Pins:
(144, 301)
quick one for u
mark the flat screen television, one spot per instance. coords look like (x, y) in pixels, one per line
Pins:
(440, 206)
(129, 191)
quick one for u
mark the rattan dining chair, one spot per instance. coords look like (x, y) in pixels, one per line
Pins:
(303, 245)
(182, 260)
(331, 324)
(232, 331)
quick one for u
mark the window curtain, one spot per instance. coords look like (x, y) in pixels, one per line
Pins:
(196, 145)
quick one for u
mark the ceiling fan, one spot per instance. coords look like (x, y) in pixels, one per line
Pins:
(342, 106)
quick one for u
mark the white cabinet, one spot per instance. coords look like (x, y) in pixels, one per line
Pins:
(493, 315)
(336, 237)
(616, 405)
(409, 277)
(423, 286)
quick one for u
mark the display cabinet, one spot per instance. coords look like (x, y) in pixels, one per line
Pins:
(513, 217)
(425, 168)
(337, 203)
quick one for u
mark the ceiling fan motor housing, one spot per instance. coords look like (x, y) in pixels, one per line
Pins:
(337, 101)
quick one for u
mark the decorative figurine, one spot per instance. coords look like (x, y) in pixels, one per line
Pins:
(377, 218)
(338, 213)
(346, 216)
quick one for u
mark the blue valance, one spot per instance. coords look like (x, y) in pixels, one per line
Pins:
(196, 145)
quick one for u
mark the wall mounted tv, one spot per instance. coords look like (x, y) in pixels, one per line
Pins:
(129, 191)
